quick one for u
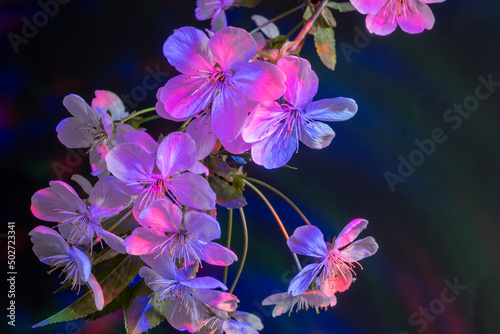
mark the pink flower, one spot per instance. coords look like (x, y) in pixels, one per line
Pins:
(213, 9)
(275, 129)
(162, 170)
(217, 78)
(413, 16)
(181, 238)
(334, 261)
(79, 222)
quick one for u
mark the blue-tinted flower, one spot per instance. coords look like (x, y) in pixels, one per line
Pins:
(275, 129)
(187, 296)
(285, 302)
(53, 250)
(334, 261)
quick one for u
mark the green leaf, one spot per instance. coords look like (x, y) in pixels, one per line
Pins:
(248, 3)
(227, 195)
(113, 281)
(342, 7)
(324, 40)
(327, 18)
(114, 305)
(141, 313)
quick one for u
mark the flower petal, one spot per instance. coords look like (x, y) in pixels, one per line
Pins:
(220, 300)
(184, 96)
(249, 80)
(97, 292)
(232, 47)
(82, 262)
(142, 241)
(187, 50)
(360, 249)
(219, 20)
(332, 110)
(202, 226)
(248, 318)
(82, 182)
(339, 280)
(56, 203)
(350, 232)
(46, 243)
(416, 17)
(271, 30)
(205, 9)
(316, 135)
(200, 129)
(109, 101)
(229, 112)
(176, 153)
(301, 282)
(262, 121)
(368, 6)
(184, 313)
(316, 298)
(301, 81)
(309, 241)
(206, 282)
(236, 146)
(277, 149)
(193, 190)
(107, 198)
(130, 163)
(112, 240)
(74, 133)
(140, 138)
(216, 254)
(162, 267)
(80, 109)
(385, 21)
(162, 216)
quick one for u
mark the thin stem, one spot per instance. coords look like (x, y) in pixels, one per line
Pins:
(137, 113)
(274, 19)
(150, 118)
(302, 34)
(280, 194)
(294, 29)
(245, 250)
(278, 220)
(184, 125)
(228, 244)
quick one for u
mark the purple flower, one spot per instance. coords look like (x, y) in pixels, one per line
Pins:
(274, 129)
(217, 76)
(53, 250)
(217, 322)
(213, 9)
(181, 238)
(92, 126)
(285, 302)
(187, 296)
(162, 173)
(334, 262)
(80, 223)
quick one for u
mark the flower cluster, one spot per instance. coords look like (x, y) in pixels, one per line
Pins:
(148, 225)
